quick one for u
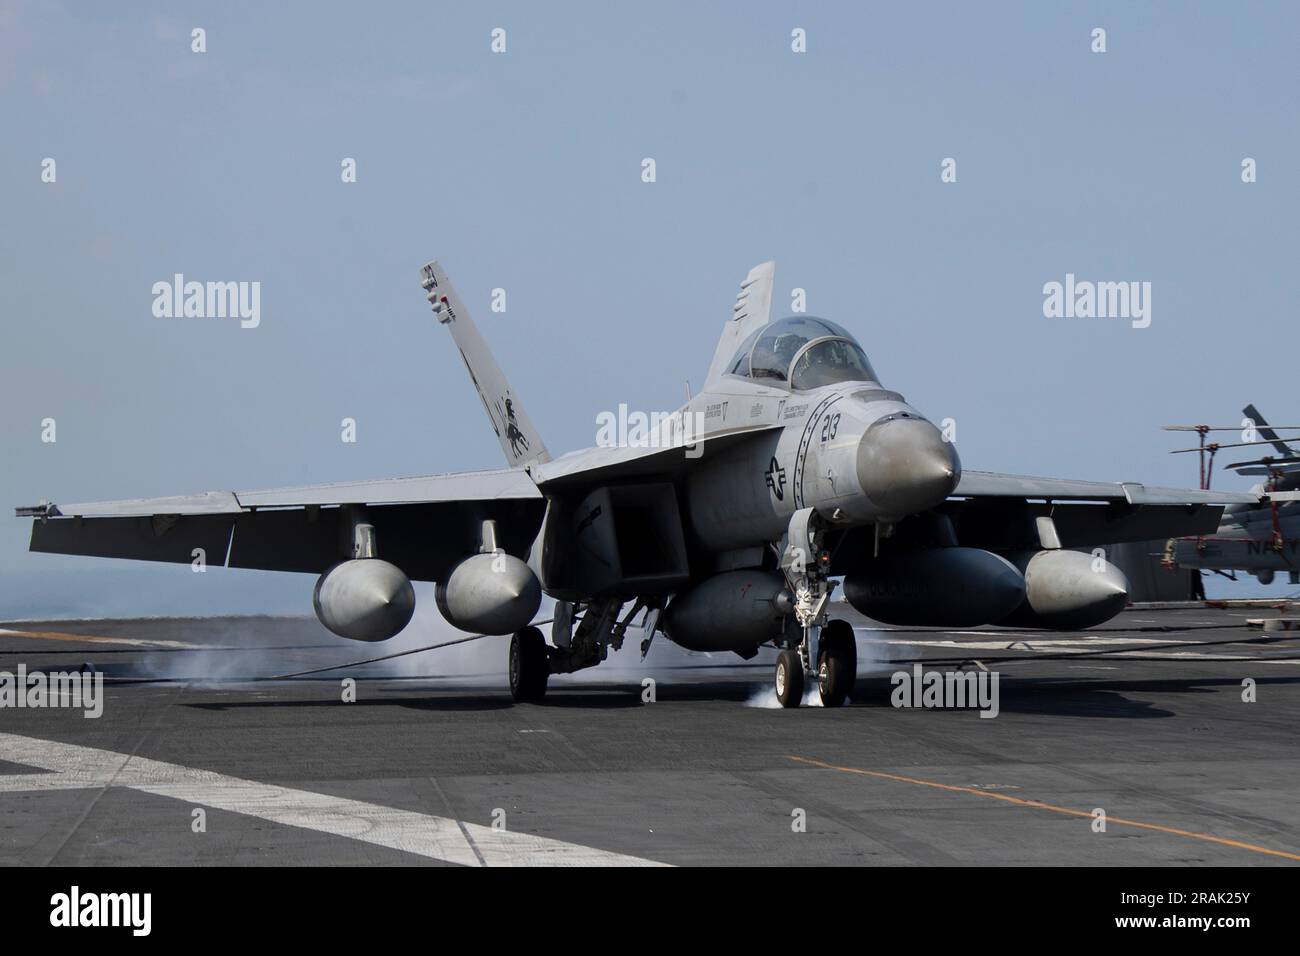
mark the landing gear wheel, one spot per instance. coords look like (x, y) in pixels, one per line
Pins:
(529, 665)
(789, 678)
(837, 663)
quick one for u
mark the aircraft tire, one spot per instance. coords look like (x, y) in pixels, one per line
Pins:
(529, 665)
(789, 679)
(837, 663)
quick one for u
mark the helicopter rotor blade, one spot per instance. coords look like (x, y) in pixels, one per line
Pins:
(1266, 472)
(1224, 428)
(1280, 460)
(1218, 445)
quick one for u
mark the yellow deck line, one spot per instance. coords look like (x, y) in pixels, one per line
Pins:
(1039, 805)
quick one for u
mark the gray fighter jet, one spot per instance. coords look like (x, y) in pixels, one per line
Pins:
(727, 522)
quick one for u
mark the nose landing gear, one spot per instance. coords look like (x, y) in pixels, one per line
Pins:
(837, 665)
(828, 649)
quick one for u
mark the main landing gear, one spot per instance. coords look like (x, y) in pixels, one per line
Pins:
(827, 648)
(530, 665)
(598, 629)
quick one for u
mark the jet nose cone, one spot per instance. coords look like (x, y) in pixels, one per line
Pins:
(905, 466)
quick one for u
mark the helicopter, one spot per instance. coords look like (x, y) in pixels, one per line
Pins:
(1258, 539)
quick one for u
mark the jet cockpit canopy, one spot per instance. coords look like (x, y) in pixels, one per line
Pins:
(802, 352)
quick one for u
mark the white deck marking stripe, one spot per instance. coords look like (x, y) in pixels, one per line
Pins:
(439, 838)
(1018, 643)
(19, 782)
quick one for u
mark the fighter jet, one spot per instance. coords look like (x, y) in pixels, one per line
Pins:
(728, 525)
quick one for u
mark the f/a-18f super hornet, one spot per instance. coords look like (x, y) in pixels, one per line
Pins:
(792, 467)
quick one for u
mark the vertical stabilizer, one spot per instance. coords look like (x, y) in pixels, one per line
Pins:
(519, 439)
(752, 311)
(1266, 433)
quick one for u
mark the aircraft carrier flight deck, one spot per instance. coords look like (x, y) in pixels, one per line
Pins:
(1167, 736)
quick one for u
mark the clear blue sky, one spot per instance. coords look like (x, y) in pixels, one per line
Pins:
(522, 171)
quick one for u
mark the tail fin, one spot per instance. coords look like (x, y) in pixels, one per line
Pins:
(751, 311)
(1266, 433)
(519, 439)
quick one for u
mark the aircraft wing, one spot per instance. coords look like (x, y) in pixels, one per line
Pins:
(987, 484)
(1013, 512)
(423, 524)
